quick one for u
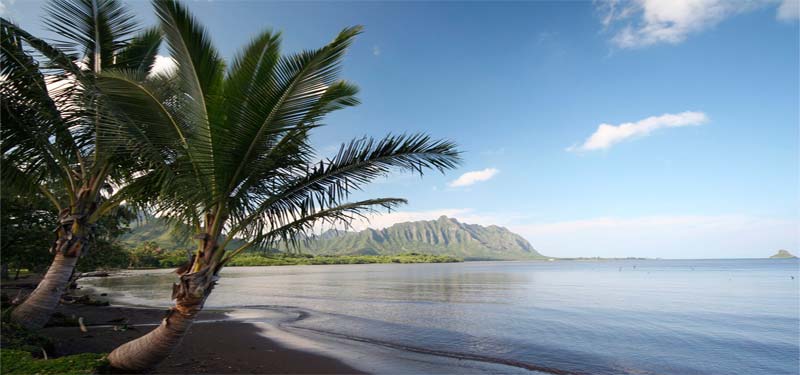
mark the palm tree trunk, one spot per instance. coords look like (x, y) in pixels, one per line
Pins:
(35, 311)
(148, 351)
(71, 241)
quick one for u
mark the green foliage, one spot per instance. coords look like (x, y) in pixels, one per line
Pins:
(173, 258)
(306, 259)
(21, 362)
(15, 337)
(106, 252)
(145, 256)
(26, 231)
(22, 349)
(105, 255)
(150, 255)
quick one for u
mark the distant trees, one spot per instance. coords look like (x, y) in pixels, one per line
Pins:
(26, 229)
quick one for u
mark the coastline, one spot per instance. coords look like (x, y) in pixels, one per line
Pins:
(214, 345)
(251, 341)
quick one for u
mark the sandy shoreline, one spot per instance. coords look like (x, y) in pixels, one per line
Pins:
(251, 341)
(212, 346)
(245, 340)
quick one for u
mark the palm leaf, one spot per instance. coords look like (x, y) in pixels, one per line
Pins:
(200, 73)
(97, 29)
(307, 218)
(140, 54)
(357, 163)
(281, 104)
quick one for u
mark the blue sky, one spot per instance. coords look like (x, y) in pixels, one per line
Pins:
(697, 157)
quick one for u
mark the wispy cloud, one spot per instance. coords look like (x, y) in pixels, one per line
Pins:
(641, 23)
(473, 177)
(789, 10)
(608, 135)
(376, 50)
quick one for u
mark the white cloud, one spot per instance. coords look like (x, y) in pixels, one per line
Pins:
(473, 177)
(789, 10)
(607, 135)
(163, 65)
(376, 50)
(640, 23)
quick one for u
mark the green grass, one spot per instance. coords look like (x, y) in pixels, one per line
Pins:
(21, 362)
(19, 346)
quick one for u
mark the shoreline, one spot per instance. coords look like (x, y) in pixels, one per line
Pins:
(215, 344)
(253, 341)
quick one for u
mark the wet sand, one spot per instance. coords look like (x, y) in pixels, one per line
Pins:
(211, 346)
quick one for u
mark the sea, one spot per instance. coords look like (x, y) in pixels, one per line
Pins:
(561, 317)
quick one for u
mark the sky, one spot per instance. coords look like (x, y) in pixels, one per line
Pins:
(647, 128)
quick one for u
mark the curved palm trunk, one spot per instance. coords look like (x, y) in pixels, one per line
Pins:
(35, 311)
(148, 351)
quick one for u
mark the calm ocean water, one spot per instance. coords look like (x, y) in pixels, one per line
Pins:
(613, 317)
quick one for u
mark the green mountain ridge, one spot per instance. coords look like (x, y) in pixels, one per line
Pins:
(444, 236)
(154, 229)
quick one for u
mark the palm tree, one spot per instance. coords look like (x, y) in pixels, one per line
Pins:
(236, 159)
(51, 145)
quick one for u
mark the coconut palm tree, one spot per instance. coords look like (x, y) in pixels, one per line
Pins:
(50, 140)
(243, 165)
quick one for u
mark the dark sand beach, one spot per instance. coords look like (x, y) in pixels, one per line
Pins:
(211, 346)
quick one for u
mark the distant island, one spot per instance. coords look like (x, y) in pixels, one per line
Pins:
(783, 254)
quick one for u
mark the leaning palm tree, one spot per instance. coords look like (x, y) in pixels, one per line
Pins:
(50, 136)
(236, 159)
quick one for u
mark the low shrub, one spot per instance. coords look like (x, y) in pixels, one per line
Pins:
(21, 362)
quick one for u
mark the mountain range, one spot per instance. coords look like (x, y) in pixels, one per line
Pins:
(444, 236)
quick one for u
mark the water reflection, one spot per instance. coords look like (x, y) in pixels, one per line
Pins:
(596, 317)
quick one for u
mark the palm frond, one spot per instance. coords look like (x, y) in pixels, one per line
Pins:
(25, 183)
(36, 120)
(140, 54)
(307, 218)
(56, 58)
(96, 29)
(200, 73)
(280, 104)
(329, 182)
